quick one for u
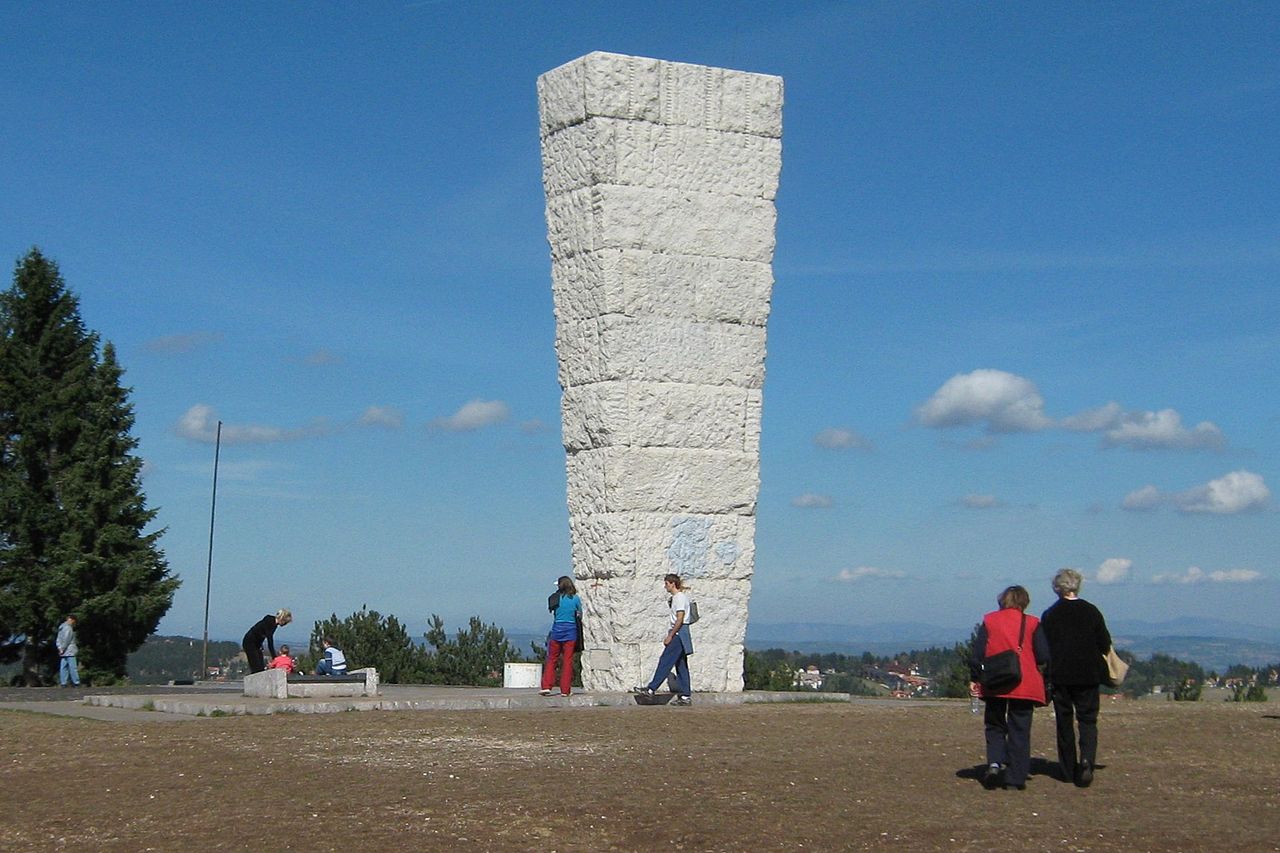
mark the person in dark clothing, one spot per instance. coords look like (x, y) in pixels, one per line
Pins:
(263, 630)
(1007, 721)
(1078, 639)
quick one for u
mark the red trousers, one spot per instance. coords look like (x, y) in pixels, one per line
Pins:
(562, 651)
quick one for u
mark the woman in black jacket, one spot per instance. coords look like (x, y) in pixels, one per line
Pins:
(1078, 639)
(264, 629)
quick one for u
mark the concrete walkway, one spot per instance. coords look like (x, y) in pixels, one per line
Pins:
(204, 702)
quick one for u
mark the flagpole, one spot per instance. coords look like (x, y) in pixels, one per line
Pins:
(208, 580)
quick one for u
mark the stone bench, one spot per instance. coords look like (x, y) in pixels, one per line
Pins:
(276, 684)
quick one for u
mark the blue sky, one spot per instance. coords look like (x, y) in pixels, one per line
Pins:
(1025, 313)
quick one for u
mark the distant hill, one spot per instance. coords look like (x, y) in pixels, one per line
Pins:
(1215, 644)
(1215, 654)
(164, 659)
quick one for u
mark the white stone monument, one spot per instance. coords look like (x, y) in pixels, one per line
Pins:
(660, 180)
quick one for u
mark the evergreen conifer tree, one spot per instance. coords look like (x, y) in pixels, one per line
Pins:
(72, 511)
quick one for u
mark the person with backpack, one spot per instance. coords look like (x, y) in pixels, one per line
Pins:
(677, 644)
(565, 635)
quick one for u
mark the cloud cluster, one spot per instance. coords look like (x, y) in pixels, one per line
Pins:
(980, 502)
(864, 572)
(1117, 569)
(200, 423)
(811, 501)
(1195, 574)
(1236, 492)
(1002, 402)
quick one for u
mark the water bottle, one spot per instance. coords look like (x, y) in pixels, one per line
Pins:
(974, 704)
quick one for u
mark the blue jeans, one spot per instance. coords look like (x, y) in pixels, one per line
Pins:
(67, 669)
(673, 655)
(326, 668)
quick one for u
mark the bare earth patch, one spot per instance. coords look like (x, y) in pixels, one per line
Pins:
(1172, 776)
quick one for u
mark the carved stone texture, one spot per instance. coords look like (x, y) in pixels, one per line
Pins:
(660, 180)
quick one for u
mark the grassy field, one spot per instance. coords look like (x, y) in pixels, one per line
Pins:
(1172, 776)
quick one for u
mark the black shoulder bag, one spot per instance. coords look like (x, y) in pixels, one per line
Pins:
(1001, 672)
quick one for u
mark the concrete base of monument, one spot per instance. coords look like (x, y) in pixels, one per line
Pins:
(422, 697)
(276, 684)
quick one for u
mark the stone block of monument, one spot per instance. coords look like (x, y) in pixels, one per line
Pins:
(660, 180)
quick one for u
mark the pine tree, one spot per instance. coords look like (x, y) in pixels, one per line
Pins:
(72, 512)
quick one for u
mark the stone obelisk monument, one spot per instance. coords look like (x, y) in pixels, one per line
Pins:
(660, 180)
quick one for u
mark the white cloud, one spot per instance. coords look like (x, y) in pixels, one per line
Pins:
(382, 416)
(533, 426)
(474, 415)
(810, 500)
(1114, 570)
(1235, 576)
(200, 423)
(1094, 420)
(183, 343)
(980, 502)
(1004, 403)
(842, 439)
(1160, 430)
(852, 575)
(1195, 574)
(1001, 401)
(1144, 499)
(1239, 491)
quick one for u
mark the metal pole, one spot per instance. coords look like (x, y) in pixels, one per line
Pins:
(208, 580)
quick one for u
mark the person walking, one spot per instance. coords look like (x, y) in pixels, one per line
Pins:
(677, 644)
(264, 630)
(1078, 640)
(68, 650)
(565, 636)
(1007, 719)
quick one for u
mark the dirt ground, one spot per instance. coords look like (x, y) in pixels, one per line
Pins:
(1171, 776)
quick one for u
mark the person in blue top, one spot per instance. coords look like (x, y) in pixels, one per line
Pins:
(333, 662)
(565, 636)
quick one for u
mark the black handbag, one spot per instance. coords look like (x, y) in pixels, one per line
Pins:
(1001, 672)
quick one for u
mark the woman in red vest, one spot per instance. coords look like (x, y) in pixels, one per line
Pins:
(1008, 715)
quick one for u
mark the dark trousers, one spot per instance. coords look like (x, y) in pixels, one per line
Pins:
(1008, 730)
(254, 656)
(1072, 704)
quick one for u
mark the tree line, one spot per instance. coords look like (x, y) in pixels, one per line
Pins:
(948, 670)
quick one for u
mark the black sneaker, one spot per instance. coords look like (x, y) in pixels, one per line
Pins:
(991, 778)
(642, 691)
(682, 700)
